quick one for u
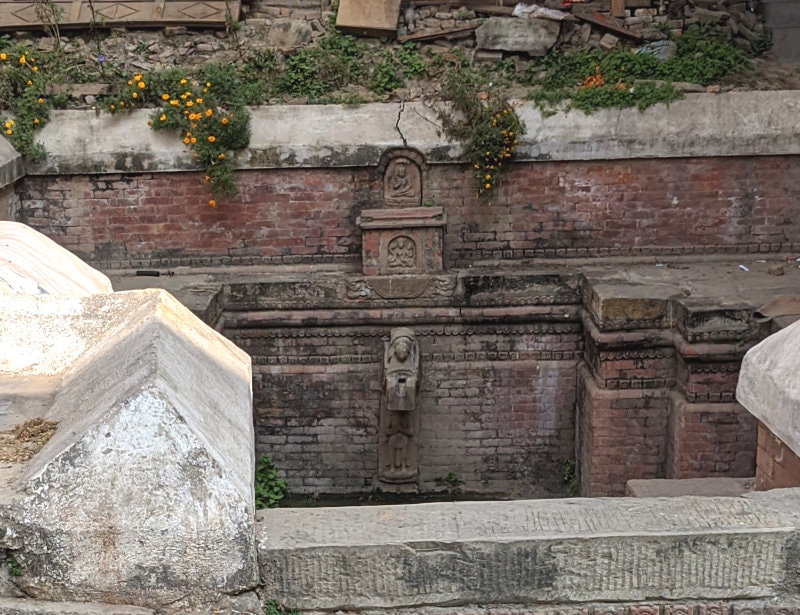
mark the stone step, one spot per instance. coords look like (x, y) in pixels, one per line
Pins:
(24, 606)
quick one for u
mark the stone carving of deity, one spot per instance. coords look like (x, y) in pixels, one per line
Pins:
(401, 253)
(398, 455)
(402, 183)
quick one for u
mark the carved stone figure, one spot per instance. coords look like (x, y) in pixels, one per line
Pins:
(398, 447)
(402, 253)
(402, 183)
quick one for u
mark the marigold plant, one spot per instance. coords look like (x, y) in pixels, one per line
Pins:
(23, 91)
(209, 125)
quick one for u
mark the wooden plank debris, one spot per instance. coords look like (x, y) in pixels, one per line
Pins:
(23, 15)
(369, 17)
(431, 35)
(618, 8)
(597, 19)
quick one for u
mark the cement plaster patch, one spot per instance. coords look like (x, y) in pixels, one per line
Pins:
(525, 552)
(294, 136)
(769, 384)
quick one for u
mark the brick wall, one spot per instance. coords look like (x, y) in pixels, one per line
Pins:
(664, 206)
(777, 466)
(496, 409)
(710, 439)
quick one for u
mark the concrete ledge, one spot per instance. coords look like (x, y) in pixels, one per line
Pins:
(733, 124)
(529, 552)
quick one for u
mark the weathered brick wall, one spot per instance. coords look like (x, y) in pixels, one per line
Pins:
(710, 439)
(164, 219)
(777, 466)
(496, 406)
(664, 206)
(623, 434)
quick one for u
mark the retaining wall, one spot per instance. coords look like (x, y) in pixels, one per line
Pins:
(711, 176)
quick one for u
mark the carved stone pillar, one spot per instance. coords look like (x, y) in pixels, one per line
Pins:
(399, 418)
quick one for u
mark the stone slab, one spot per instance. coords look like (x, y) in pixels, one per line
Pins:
(26, 265)
(286, 136)
(769, 384)
(704, 487)
(525, 552)
(24, 606)
(532, 36)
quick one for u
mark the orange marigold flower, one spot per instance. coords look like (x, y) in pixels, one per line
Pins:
(211, 139)
(174, 103)
(137, 77)
(209, 113)
(212, 203)
(189, 103)
(134, 94)
(141, 85)
(36, 120)
(183, 82)
(199, 101)
(3, 56)
(224, 120)
(163, 118)
(221, 156)
(165, 97)
(9, 132)
(194, 139)
(22, 60)
(186, 140)
(40, 100)
(488, 186)
(35, 69)
(30, 82)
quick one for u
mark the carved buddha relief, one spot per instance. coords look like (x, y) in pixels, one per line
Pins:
(402, 183)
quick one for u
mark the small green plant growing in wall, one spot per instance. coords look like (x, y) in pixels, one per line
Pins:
(570, 477)
(275, 608)
(451, 482)
(13, 566)
(268, 487)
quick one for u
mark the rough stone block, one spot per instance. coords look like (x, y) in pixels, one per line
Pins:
(144, 494)
(704, 487)
(526, 552)
(533, 36)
